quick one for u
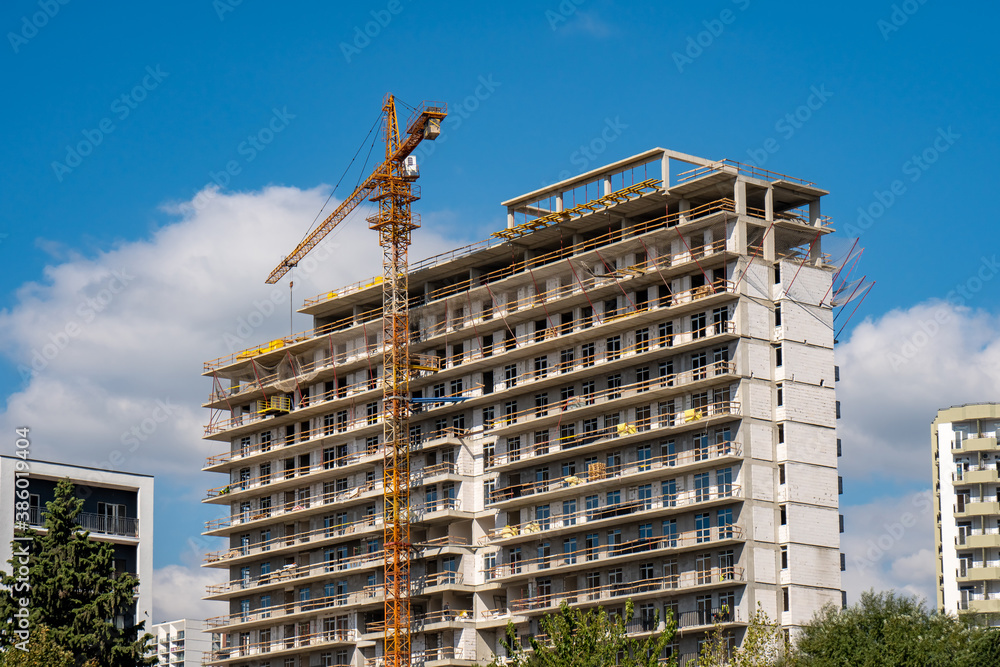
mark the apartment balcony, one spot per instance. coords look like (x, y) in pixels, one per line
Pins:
(625, 512)
(602, 477)
(547, 601)
(434, 621)
(606, 555)
(979, 538)
(977, 508)
(278, 648)
(433, 657)
(988, 572)
(981, 603)
(976, 475)
(978, 444)
(99, 525)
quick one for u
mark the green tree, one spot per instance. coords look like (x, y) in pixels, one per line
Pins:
(886, 629)
(763, 645)
(43, 651)
(572, 637)
(74, 591)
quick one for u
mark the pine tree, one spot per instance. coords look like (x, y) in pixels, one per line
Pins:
(75, 592)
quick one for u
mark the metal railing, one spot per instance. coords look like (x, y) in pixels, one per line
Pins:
(95, 523)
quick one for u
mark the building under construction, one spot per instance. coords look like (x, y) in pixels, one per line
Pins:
(628, 393)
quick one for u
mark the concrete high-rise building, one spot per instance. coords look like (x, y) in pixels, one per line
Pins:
(117, 508)
(967, 509)
(629, 392)
(183, 643)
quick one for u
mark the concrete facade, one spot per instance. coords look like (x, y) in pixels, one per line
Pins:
(118, 508)
(645, 364)
(967, 509)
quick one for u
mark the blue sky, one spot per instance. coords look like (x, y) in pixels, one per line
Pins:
(863, 99)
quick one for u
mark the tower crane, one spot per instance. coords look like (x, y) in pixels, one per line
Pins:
(390, 185)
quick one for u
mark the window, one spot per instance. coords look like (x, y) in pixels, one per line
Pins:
(567, 435)
(777, 356)
(593, 584)
(569, 512)
(642, 418)
(668, 453)
(514, 558)
(781, 433)
(843, 562)
(777, 315)
(541, 404)
(542, 480)
(698, 363)
(616, 581)
(669, 490)
(785, 602)
(841, 523)
(643, 454)
(328, 458)
(610, 308)
(541, 366)
(781, 473)
(589, 430)
(587, 354)
(489, 415)
(490, 564)
(641, 340)
(456, 387)
(646, 496)
(666, 333)
(702, 525)
(371, 412)
(566, 361)
(510, 376)
(703, 568)
(569, 551)
(542, 515)
(642, 379)
(591, 503)
(670, 532)
(782, 516)
(698, 325)
(700, 446)
(588, 392)
(724, 520)
(592, 543)
(509, 410)
(701, 488)
(784, 558)
(614, 386)
(780, 395)
(724, 481)
(667, 373)
(614, 348)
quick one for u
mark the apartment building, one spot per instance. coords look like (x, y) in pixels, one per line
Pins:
(182, 643)
(967, 509)
(117, 508)
(635, 389)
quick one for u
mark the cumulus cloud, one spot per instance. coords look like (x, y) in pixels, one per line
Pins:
(111, 347)
(897, 371)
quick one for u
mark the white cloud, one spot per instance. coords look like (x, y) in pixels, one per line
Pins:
(889, 544)
(172, 594)
(897, 371)
(119, 339)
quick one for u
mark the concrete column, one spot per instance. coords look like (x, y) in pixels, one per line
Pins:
(607, 185)
(814, 212)
(510, 217)
(559, 203)
(665, 170)
(474, 274)
(577, 243)
(740, 195)
(769, 204)
(683, 206)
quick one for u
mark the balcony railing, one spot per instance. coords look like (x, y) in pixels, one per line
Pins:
(96, 523)
(550, 599)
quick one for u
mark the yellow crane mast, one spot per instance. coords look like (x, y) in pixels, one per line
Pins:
(390, 186)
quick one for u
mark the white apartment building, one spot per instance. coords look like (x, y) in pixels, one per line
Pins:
(183, 643)
(637, 389)
(967, 506)
(117, 508)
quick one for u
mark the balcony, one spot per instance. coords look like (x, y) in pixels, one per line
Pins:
(979, 538)
(981, 603)
(976, 475)
(97, 524)
(547, 600)
(280, 647)
(979, 444)
(990, 571)
(977, 508)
